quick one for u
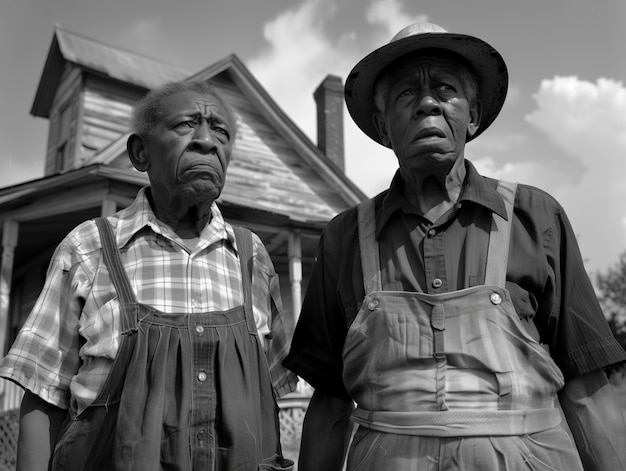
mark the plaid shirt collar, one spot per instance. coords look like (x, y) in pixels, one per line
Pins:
(139, 215)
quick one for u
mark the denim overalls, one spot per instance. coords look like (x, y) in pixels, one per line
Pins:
(454, 380)
(186, 391)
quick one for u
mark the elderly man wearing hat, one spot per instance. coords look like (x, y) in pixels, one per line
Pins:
(452, 309)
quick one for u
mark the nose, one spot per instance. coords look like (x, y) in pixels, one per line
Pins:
(427, 104)
(203, 140)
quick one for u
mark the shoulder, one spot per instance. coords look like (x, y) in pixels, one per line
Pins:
(81, 243)
(536, 204)
(85, 238)
(345, 224)
(346, 218)
(260, 255)
(259, 251)
(528, 194)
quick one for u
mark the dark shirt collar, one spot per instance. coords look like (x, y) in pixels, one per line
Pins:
(476, 189)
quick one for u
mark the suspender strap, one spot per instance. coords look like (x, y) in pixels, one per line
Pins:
(497, 255)
(499, 238)
(111, 256)
(369, 248)
(244, 247)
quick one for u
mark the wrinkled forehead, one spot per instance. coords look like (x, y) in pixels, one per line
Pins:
(441, 59)
(191, 102)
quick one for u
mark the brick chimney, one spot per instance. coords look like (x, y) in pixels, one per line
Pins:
(329, 100)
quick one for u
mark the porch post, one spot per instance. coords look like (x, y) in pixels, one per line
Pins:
(10, 232)
(295, 272)
(108, 208)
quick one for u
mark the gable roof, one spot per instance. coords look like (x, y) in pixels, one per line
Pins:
(115, 63)
(275, 167)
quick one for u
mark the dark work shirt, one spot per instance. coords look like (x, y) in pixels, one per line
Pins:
(545, 275)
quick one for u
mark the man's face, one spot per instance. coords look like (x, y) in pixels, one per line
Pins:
(428, 114)
(190, 148)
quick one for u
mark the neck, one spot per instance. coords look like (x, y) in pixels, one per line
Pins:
(433, 194)
(186, 220)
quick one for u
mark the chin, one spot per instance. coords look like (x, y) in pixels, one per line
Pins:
(202, 193)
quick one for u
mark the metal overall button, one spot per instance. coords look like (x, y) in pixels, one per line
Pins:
(495, 298)
(372, 305)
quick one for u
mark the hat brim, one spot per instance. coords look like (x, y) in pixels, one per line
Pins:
(485, 60)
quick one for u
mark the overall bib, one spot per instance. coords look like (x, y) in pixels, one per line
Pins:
(186, 391)
(454, 380)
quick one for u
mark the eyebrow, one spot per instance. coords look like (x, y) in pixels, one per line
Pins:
(217, 116)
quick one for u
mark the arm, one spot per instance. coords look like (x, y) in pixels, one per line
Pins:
(43, 359)
(325, 434)
(40, 423)
(269, 314)
(596, 421)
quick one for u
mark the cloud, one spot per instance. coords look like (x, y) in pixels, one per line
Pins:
(588, 121)
(303, 49)
(389, 14)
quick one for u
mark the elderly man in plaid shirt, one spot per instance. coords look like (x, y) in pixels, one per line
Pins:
(149, 347)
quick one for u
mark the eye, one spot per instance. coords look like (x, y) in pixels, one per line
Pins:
(405, 94)
(221, 130)
(446, 87)
(186, 124)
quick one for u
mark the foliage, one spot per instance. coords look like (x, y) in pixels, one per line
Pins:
(612, 297)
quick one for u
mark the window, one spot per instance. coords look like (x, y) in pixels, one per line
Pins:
(62, 154)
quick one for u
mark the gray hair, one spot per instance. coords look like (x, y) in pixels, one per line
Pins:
(467, 74)
(149, 109)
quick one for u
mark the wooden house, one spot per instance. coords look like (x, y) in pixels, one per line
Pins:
(279, 184)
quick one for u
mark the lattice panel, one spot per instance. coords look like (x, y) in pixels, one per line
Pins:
(291, 419)
(9, 425)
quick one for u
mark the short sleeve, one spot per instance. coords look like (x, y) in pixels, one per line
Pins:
(267, 301)
(44, 357)
(580, 339)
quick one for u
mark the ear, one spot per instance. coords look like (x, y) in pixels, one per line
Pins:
(476, 113)
(381, 127)
(136, 148)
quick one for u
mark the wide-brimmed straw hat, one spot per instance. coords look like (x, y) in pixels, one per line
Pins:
(485, 60)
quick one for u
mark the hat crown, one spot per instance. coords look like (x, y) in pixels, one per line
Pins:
(487, 63)
(417, 28)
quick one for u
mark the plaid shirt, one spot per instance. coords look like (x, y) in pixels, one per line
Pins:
(67, 346)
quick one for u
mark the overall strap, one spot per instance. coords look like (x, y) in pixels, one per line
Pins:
(370, 264)
(243, 237)
(499, 238)
(111, 256)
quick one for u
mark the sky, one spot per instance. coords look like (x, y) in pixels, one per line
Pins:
(562, 127)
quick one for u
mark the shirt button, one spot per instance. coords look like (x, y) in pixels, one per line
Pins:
(199, 329)
(372, 305)
(202, 376)
(437, 283)
(200, 435)
(495, 298)
(432, 232)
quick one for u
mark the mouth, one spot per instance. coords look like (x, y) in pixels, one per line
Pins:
(428, 133)
(197, 169)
